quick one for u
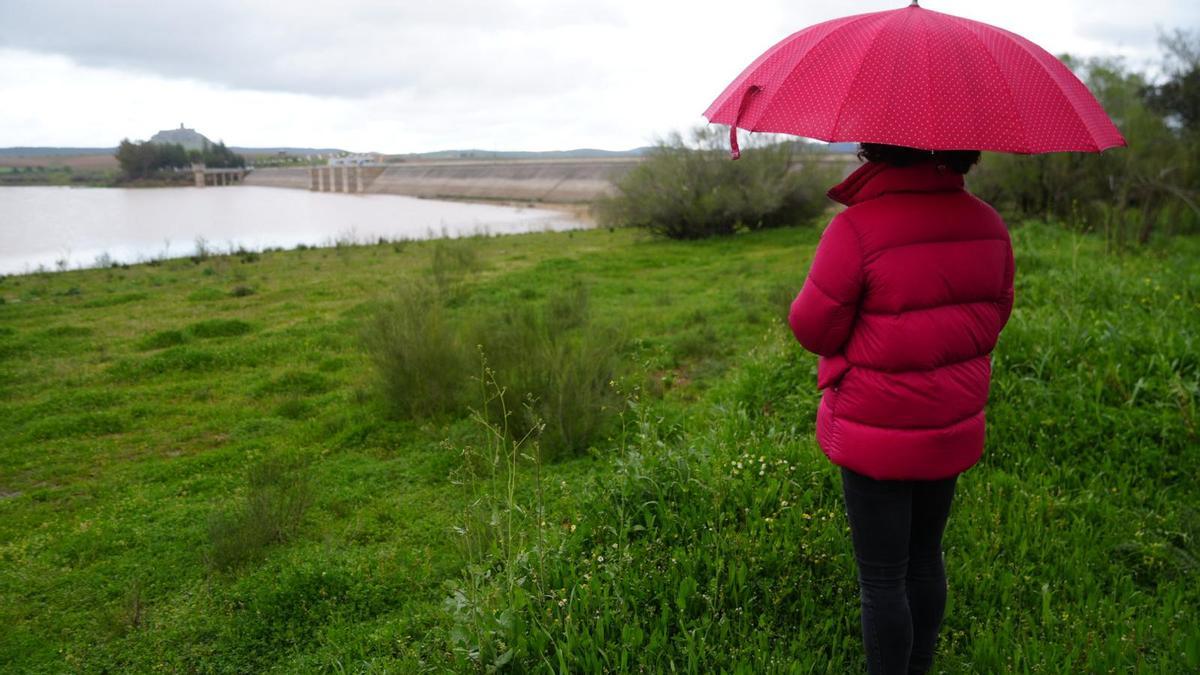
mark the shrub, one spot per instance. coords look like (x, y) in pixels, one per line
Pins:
(557, 365)
(421, 361)
(686, 192)
(453, 260)
(279, 493)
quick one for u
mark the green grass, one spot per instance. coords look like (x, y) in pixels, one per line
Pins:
(198, 479)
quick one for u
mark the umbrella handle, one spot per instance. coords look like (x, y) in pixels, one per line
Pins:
(734, 150)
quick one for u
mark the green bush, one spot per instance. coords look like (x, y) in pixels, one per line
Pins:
(557, 366)
(271, 512)
(452, 261)
(694, 191)
(423, 365)
(556, 362)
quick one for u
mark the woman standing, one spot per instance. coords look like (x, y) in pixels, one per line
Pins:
(909, 289)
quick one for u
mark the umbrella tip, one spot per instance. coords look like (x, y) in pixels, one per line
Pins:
(914, 3)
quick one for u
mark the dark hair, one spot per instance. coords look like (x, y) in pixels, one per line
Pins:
(898, 155)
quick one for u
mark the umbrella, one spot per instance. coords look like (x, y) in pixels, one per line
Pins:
(918, 78)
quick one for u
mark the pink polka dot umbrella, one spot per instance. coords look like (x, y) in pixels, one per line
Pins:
(918, 78)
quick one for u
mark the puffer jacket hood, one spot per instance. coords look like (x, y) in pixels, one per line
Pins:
(908, 291)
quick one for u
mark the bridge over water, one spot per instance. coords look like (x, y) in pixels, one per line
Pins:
(217, 176)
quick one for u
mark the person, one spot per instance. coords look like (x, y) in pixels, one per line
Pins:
(908, 291)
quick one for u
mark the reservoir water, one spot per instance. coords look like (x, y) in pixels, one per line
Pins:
(53, 227)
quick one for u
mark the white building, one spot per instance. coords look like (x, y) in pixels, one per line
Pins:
(357, 159)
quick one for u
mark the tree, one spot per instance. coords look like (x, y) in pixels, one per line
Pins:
(1179, 96)
(142, 160)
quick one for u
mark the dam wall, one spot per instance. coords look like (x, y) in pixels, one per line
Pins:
(561, 181)
(553, 180)
(289, 177)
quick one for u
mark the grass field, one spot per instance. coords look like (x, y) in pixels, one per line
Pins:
(199, 474)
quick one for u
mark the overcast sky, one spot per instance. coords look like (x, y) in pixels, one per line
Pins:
(420, 75)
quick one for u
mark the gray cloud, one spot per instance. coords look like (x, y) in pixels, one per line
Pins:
(351, 49)
(404, 75)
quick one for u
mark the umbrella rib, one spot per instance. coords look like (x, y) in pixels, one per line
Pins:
(1020, 42)
(857, 73)
(1007, 85)
(850, 22)
(928, 71)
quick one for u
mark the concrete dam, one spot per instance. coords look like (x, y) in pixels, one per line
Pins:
(535, 180)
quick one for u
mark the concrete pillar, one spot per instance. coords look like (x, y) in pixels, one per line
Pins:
(358, 186)
(198, 174)
(328, 171)
(312, 179)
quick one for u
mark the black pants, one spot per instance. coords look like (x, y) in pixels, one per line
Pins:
(897, 530)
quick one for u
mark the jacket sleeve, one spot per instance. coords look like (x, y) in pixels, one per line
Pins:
(1006, 296)
(823, 313)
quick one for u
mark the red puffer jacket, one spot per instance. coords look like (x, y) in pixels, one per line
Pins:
(908, 291)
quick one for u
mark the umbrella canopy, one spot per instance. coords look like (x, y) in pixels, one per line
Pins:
(917, 78)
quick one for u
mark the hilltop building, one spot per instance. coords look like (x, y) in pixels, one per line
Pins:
(190, 139)
(357, 159)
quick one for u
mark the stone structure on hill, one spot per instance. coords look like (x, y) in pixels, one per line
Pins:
(190, 139)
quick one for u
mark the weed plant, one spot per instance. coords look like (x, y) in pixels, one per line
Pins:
(558, 363)
(559, 367)
(419, 354)
(278, 494)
